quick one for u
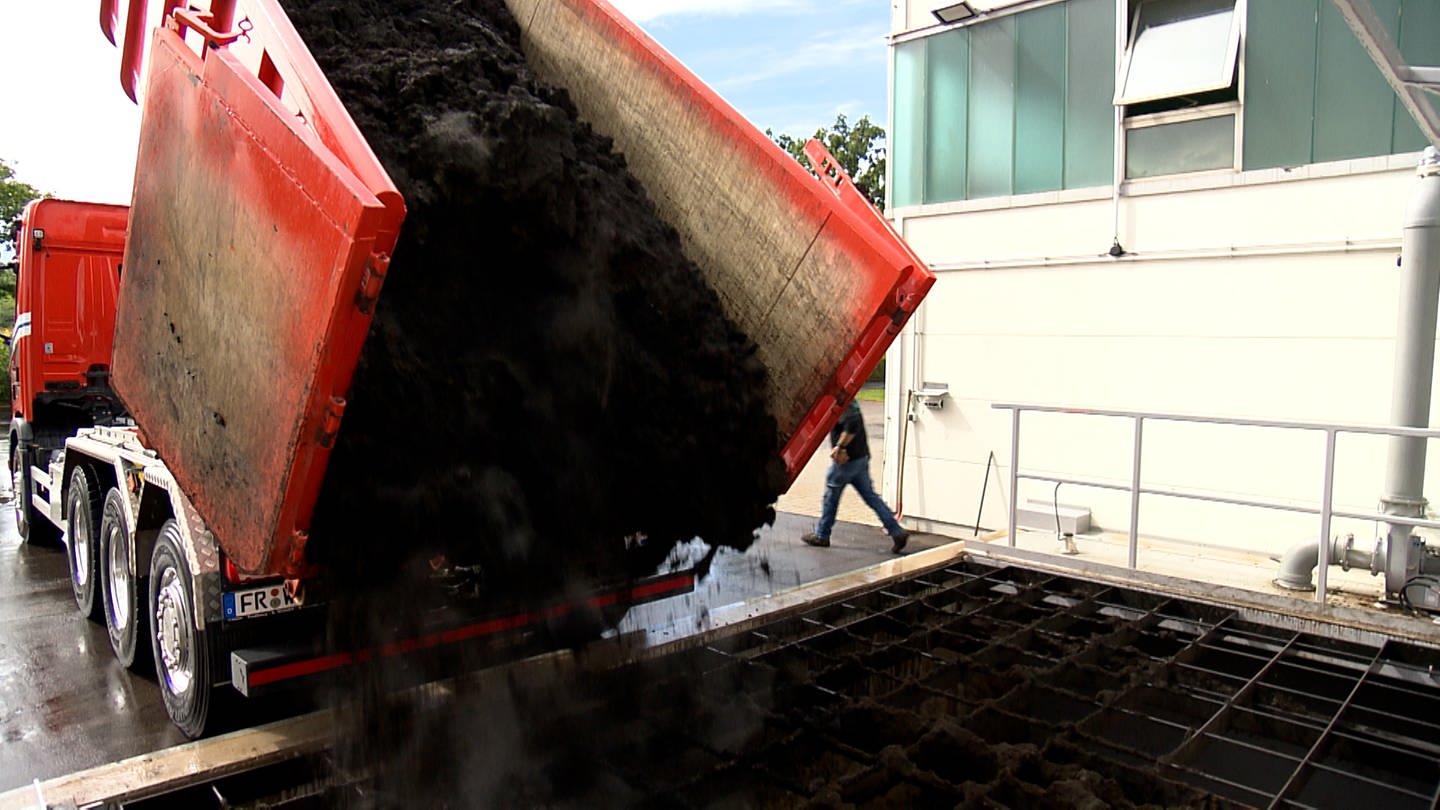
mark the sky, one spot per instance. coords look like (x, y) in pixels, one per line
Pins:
(788, 65)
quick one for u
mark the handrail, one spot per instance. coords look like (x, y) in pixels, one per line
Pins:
(1326, 511)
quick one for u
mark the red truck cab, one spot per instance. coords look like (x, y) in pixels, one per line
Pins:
(68, 259)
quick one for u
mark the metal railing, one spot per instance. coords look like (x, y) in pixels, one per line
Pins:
(1326, 510)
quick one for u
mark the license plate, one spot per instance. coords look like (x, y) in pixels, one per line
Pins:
(257, 602)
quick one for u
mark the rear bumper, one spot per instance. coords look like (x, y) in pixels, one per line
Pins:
(255, 670)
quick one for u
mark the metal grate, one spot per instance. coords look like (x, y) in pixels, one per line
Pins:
(1167, 699)
(969, 685)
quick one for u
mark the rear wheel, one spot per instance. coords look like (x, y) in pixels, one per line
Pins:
(82, 515)
(124, 590)
(181, 650)
(32, 527)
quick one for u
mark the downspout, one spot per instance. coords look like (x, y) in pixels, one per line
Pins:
(1397, 554)
(1122, 20)
(1414, 370)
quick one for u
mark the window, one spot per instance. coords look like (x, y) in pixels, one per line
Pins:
(1177, 146)
(1179, 48)
(1178, 87)
(1015, 104)
(1313, 95)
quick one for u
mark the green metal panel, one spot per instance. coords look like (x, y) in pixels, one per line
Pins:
(1420, 45)
(992, 107)
(1187, 146)
(1280, 82)
(1354, 106)
(1040, 99)
(947, 72)
(907, 131)
(1090, 85)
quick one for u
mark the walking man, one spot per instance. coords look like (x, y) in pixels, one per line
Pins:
(850, 465)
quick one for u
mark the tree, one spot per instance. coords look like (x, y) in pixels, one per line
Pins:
(858, 148)
(13, 197)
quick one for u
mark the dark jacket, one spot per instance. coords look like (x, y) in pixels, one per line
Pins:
(852, 422)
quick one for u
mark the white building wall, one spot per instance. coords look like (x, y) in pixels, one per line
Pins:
(1261, 294)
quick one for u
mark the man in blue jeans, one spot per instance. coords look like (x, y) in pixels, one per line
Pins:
(850, 464)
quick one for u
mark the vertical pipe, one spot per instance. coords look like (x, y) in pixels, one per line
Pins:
(1014, 469)
(1414, 366)
(1327, 501)
(1135, 492)
(1122, 27)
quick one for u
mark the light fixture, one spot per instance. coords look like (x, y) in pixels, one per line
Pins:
(953, 12)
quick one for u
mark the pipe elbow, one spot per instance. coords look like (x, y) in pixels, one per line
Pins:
(1297, 566)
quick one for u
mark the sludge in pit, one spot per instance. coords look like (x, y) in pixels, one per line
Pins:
(547, 373)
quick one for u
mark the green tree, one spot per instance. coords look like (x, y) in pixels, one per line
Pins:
(13, 197)
(859, 148)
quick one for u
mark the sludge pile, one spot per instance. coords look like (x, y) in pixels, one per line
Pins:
(547, 373)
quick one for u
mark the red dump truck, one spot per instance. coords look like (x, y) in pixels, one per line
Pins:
(261, 218)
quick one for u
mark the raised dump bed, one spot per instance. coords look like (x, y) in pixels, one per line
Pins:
(262, 229)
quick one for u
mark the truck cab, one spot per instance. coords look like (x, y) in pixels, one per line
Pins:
(68, 264)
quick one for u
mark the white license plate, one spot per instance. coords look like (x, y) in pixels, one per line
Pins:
(257, 602)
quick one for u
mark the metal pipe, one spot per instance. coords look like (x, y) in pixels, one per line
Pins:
(1414, 366)
(1327, 502)
(1014, 469)
(1299, 562)
(1135, 492)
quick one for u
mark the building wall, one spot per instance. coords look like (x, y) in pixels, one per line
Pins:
(1266, 289)
(1255, 295)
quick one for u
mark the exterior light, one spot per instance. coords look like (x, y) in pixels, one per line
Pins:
(953, 12)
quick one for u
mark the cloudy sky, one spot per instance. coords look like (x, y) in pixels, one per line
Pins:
(789, 65)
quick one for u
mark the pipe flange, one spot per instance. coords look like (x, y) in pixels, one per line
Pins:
(1345, 552)
(1377, 558)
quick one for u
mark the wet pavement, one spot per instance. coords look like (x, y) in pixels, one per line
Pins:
(66, 704)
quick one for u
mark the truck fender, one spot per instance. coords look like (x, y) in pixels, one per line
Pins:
(162, 497)
(22, 430)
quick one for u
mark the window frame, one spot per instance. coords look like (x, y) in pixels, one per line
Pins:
(1231, 55)
(1220, 110)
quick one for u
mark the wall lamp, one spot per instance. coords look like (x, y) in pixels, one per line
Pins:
(953, 12)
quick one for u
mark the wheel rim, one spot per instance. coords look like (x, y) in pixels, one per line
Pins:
(80, 543)
(174, 633)
(120, 584)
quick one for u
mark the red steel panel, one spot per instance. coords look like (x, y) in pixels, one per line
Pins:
(258, 242)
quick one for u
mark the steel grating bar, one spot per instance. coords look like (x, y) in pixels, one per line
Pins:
(1291, 783)
(1188, 748)
(1360, 777)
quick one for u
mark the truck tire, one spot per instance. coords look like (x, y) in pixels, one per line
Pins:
(33, 528)
(82, 516)
(124, 590)
(181, 650)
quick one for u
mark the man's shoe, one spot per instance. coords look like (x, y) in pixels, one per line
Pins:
(899, 542)
(813, 539)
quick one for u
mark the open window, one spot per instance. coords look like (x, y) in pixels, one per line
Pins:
(1177, 83)
(1179, 49)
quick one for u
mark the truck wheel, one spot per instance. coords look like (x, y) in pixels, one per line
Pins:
(82, 515)
(181, 650)
(124, 610)
(32, 527)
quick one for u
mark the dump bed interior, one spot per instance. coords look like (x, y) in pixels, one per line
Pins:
(262, 225)
(806, 267)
